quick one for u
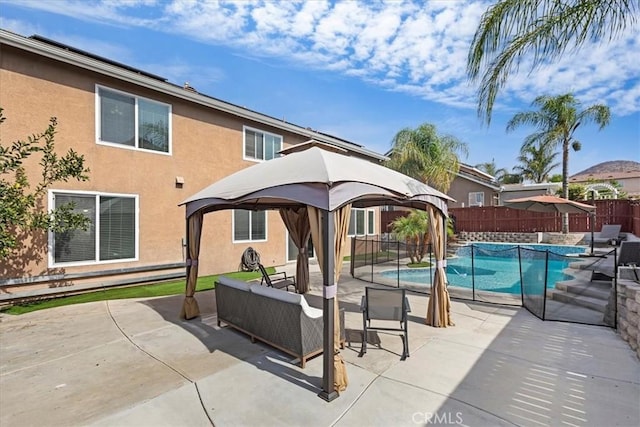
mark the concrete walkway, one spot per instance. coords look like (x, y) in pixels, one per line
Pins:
(135, 363)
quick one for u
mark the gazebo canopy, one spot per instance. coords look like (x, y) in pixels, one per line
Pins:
(314, 189)
(315, 177)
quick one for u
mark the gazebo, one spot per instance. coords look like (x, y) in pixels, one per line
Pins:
(314, 188)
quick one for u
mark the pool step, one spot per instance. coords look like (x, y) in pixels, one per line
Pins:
(592, 295)
(596, 289)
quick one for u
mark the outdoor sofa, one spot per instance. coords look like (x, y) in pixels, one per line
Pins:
(282, 319)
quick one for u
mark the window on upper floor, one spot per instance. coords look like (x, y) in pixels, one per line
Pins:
(260, 145)
(249, 226)
(361, 222)
(131, 121)
(112, 234)
(476, 199)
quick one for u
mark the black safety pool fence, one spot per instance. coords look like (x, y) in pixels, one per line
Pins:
(548, 280)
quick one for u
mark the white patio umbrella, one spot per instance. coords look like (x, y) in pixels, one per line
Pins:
(327, 183)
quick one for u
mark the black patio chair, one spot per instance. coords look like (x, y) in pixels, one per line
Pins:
(276, 280)
(385, 305)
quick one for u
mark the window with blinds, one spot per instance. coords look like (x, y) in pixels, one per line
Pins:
(110, 236)
(132, 121)
(260, 145)
(249, 226)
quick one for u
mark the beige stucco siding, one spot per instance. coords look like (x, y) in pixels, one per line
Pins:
(206, 146)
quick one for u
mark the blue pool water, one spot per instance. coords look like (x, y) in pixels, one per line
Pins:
(496, 267)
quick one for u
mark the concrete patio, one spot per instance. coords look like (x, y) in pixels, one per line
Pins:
(135, 363)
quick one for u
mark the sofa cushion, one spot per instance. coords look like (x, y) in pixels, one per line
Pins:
(311, 312)
(233, 283)
(287, 297)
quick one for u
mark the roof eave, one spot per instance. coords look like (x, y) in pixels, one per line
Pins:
(80, 61)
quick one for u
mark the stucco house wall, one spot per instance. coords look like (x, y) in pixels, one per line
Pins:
(461, 187)
(206, 145)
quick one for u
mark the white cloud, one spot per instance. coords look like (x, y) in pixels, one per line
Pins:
(19, 27)
(406, 46)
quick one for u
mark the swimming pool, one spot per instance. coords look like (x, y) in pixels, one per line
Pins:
(496, 267)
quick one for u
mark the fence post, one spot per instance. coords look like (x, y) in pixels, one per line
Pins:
(398, 262)
(615, 288)
(353, 255)
(372, 258)
(544, 294)
(473, 277)
(521, 284)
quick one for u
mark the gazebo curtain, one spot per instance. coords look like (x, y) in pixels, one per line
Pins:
(439, 308)
(297, 222)
(190, 307)
(341, 225)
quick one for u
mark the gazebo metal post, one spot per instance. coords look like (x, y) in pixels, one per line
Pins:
(329, 291)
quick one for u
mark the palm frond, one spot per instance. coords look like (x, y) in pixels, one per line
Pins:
(542, 30)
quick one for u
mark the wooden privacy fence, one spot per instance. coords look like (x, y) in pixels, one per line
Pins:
(503, 219)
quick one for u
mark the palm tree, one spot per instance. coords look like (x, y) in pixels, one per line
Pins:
(512, 31)
(537, 161)
(556, 121)
(492, 169)
(512, 178)
(413, 229)
(426, 156)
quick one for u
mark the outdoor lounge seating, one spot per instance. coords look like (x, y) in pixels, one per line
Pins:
(385, 305)
(276, 280)
(281, 319)
(628, 255)
(609, 232)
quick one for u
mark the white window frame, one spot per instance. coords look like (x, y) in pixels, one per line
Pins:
(244, 144)
(371, 223)
(288, 247)
(136, 98)
(233, 228)
(96, 261)
(474, 196)
(366, 222)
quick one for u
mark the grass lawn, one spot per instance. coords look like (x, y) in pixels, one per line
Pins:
(143, 291)
(419, 264)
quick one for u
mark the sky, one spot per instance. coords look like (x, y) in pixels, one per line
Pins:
(361, 71)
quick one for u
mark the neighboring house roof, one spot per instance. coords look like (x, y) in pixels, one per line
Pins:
(472, 174)
(616, 169)
(81, 59)
(548, 186)
(470, 170)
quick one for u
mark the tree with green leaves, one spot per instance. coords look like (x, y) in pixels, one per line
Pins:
(556, 120)
(427, 156)
(492, 169)
(21, 207)
(413, 229)
(577, 192)
(512, 178)
(537, 161)
(513, 33)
